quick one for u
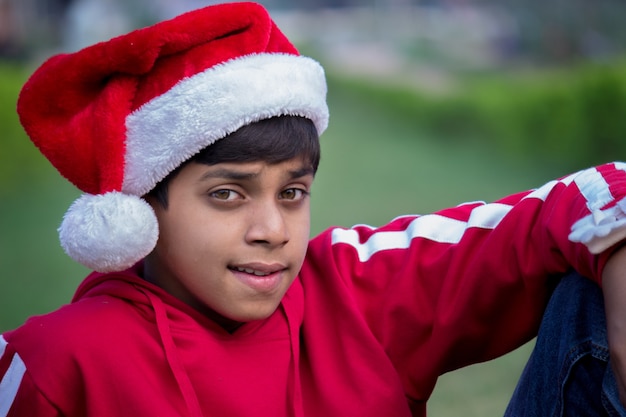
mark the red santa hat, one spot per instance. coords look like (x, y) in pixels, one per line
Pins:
(117, 117)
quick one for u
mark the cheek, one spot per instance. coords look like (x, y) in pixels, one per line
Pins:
(301, 234)
(196, 237)
(179, 237)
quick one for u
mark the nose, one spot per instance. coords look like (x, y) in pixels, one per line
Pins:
(267, 225)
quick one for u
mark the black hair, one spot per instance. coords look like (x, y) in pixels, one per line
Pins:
(272, 140)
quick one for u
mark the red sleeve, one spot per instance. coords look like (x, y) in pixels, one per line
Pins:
(470, 283)
(18, 394)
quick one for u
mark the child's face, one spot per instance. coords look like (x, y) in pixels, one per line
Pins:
(233, 236)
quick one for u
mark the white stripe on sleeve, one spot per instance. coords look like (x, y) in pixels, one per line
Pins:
(3, 345)
(433, 227)
(594, 188)
(10, 381)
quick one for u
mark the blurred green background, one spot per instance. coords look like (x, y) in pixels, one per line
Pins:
(421, 118)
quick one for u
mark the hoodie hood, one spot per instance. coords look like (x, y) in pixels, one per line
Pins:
(130, 286)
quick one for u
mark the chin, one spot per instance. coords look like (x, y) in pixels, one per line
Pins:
(257, 313)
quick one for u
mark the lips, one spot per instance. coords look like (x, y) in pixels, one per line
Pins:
(262, 278)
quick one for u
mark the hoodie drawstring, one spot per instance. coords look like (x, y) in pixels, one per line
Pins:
(171, 354)
(293, 305)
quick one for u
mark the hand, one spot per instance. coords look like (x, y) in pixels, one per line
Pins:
(614, 289)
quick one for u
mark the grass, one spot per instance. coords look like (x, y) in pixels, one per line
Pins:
(374, 167)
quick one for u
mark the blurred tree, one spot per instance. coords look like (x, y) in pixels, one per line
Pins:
(565, 31)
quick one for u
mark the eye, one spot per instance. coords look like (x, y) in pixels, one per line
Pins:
(293, 194)
(224, 195)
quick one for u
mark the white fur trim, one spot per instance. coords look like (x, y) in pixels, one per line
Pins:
(602, 228)
(109, 232)
(206, 107)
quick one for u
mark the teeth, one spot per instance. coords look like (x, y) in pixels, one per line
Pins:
(252, 271)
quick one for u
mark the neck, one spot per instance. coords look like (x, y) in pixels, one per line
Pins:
(226, 323)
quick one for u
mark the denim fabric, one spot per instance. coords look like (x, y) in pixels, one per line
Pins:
(568, 373)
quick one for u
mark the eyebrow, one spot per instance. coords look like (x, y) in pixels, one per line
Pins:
(231, 174)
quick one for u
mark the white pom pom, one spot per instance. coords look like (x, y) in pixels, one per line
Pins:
(109, 232)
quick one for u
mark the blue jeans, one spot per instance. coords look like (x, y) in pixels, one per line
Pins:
(568, 373)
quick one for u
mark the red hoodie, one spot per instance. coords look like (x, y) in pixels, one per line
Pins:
(375, 316)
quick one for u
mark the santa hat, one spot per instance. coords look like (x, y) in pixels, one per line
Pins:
(117, 117)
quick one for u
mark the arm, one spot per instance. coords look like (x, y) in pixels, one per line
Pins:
(470, 283)
(614, 289)
(19, 395)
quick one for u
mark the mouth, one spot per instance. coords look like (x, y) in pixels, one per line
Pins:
(263, 278)
(251, 271)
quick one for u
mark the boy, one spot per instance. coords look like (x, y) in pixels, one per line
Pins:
(196, 143)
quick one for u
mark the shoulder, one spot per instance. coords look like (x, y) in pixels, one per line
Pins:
(80, 342)
(69, 334)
